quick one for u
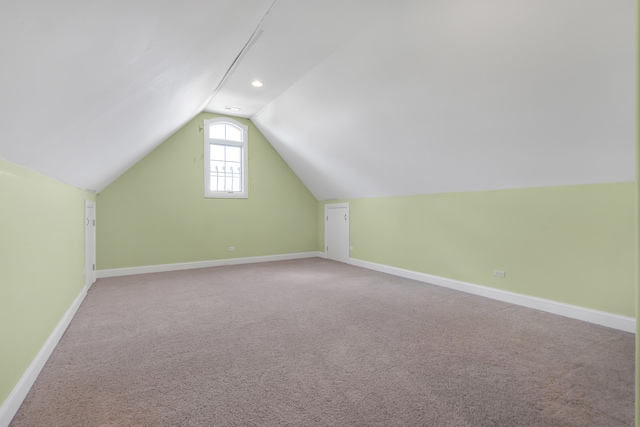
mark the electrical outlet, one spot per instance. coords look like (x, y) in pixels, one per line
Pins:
(499, 273)
(232, 248)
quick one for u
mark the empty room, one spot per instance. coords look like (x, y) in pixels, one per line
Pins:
(311, 213)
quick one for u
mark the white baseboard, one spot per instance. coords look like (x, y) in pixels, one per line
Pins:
(615, 321)
(160, 268)
(16, 397)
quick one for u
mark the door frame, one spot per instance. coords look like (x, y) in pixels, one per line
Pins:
(326, 215)
(89, 249)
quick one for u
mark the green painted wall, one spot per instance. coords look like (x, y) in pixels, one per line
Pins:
(156, 212)
(637, 232)
(41, 263)
(571, 244)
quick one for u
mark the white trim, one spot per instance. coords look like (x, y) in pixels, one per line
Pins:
(160, 268)
(89, 276)
(611, 320)
(16, 397)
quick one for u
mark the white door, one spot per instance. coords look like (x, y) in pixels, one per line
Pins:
(89, 243)
(336, 231)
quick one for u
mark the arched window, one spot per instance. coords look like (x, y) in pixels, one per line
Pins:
(226, 147)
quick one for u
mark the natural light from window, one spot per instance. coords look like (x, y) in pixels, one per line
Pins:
(225, 158)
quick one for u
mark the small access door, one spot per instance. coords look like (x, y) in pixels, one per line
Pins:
(336, 231)
(89, 243)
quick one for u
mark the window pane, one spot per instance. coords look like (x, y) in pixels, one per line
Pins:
(237, 183)
(233, 154)
(216, 152)
(234, 182)
(216, 131)
(233, 133)
(226, 169)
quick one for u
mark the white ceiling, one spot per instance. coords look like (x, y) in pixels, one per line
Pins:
(444, 96)
(90, 87)
(361, 98)
(295, 37)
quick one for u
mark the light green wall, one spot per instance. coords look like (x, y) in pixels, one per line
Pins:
(41, 263)
(571, 244)
(637, 232)
(156, 212)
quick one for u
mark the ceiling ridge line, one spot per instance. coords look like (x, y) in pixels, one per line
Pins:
(255, 35)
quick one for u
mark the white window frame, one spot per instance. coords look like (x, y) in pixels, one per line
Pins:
(244, 144)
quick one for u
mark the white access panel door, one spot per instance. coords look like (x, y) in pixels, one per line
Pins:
(89, 243)
(336, 231)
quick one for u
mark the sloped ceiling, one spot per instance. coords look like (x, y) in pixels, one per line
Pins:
(361, 98)
(293, 39)
(89, 87)
(443, 96)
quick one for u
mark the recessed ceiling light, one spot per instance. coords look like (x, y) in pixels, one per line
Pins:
(256, 83)
(229, 108)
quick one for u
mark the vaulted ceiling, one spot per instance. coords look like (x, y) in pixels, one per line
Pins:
(361, 98)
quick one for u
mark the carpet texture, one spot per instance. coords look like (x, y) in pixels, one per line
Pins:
(318, 343)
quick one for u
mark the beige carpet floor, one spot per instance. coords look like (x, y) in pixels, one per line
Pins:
(318, 343)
